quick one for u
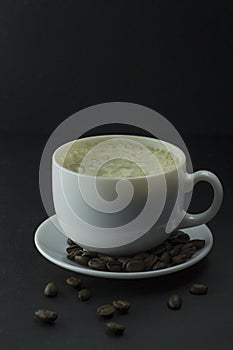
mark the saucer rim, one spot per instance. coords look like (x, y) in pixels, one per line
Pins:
(198, 256)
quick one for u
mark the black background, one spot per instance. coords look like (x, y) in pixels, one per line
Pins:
(57, 57)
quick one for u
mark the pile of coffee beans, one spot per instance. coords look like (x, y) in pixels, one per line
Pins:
(177, 249)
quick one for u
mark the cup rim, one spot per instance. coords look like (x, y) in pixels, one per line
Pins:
(181, 162)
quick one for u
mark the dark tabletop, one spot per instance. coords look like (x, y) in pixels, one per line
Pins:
(204, 322)
(57, 57)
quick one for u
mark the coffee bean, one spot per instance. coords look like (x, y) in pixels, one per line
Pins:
(135, 265)
(90, 254)
(71, 255)
(70, 242)
(116, 328)
(150, 261)
(176, 250)
(124, 263)
(198, 243)
(123, 259)
(178, 237)
(166, 258)
(46, 316)
(51, 290)
(84, 294)
(159, 265)
(179, 259)
(114, 266)
(97, 264)
(74, 281)
(121, 305)
(175, 302)
(106, 311)
(188, 252)
(81, 260)
(198, 289)
(75, 247)
(105, 258)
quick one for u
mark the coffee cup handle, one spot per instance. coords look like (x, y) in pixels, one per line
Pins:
(189, 219)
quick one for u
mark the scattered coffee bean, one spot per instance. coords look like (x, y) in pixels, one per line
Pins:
(46, 316)
(114, 266)
(105, 258)
(150, 261)
(51, 290)
(198, 289)
(179, 259)
(166, 258)
(124, 263)
(175, 302)
(74, 281)
(116, 328)
(176, 250)
(178, 237)
(106, 311)
(159, 265)
(70, 242)
(81, 260)
(97, 264)
(123, 259)
(84, 294)
(90, 254)
(198, 243)
(75, 247)
(73, 253)
(135, 265)
(121, 305)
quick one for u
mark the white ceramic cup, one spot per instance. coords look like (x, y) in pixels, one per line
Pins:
(139, 227)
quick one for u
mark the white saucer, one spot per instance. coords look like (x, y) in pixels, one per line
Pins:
(52, 244)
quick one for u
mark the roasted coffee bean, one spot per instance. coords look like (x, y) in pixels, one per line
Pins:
(150, 261)
(122, 259)
(105, 258)
(135, 265)
(178, 237)
(176, 250)
(159, 265)
(179, 259)
(90, 254)
(51, 290)
(198, 243)
(97, 264)
(71, 255)
(46, 316)
(198, 289)
(70, 242)
(116, 328)
(84, 294)
(175, 302)
(81, 260)
(71, 248)
(106, 311)
(74, 281)
(121, 305)
(166, 258)
(188, 252)
(125, 262)
(114, 266)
